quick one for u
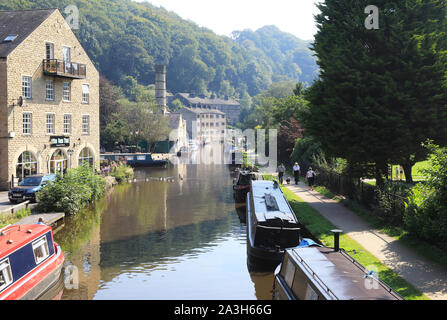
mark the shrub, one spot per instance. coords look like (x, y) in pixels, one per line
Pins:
(72, 191)
(426, 212)
(391, 201)
(122, 173)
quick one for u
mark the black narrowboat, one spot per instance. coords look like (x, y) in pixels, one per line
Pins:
(314, 272)
(271, 224)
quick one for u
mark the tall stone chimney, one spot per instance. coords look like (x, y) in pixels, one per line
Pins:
(160, 86)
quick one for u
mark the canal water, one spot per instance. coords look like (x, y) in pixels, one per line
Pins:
(178, 239)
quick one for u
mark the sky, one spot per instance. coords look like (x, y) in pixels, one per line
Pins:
(224, 16)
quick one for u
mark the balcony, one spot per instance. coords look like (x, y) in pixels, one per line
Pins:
(59, 68)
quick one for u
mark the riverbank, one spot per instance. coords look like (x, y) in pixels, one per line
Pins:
(320, 217)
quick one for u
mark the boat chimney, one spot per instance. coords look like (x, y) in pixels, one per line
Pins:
(336, 233)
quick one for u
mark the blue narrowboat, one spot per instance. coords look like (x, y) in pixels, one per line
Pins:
(135, 159)
(30, 261)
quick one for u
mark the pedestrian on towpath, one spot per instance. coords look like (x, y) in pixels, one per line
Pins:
(296, 172)
(281, 170)
(310, 175)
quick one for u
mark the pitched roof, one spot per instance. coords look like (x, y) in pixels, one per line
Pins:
(204, 110)
(174, 120)
(21, 24)
(208, 101)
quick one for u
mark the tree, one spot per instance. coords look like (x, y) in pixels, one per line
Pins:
(289, 132)
(381, 93)
(109, 97)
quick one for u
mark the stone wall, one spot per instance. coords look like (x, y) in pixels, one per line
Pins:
(27, 60)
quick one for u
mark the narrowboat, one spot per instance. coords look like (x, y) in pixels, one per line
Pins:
(30, 261)
(314, 272)
(242, 184)
(135, 159)
(271, 224)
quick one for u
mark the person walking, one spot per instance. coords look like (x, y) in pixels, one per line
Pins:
(296, 172)
(310, 175)
(281, 170)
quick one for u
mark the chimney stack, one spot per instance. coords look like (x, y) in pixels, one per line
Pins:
(160, 86)
(337, 239)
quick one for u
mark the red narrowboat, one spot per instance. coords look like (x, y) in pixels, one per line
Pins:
(30, 261)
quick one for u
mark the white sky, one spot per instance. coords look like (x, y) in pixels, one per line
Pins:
(225, 16)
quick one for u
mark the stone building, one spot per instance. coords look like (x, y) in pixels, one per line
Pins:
(204, 124)
(49, 96)
(230, 107)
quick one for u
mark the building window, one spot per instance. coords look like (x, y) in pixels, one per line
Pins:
(67, 91)
(26, 165)
(67, 123)
(223, 123)
(40, 249)
(27, 122)
(50, 123)
(26, 87)
(58, 162)
(85, 124)
(86, 156)
(49, 90)
(85, 93)
(5, 274)
(217, 124)
(49, 51)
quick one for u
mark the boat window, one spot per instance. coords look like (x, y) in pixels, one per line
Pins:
(290, 273)
(5, 274)
(311, 294)
(40, 248)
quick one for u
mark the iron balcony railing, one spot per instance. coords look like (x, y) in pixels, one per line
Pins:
(62, 68)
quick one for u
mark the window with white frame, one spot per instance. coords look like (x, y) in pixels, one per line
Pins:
(40, 249)
(85, 124)
(67, 123)
(49, 88)
(50, 123)
(5, 274)
(27, 122)
(26, 87)
(67, 91)
(85, 93)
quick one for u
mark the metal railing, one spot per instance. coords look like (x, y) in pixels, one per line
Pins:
(65, 69)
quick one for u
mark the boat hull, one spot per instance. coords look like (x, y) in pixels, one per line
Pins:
(38, 281)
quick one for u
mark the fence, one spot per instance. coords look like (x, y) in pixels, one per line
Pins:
(347, 186)
(389, 205)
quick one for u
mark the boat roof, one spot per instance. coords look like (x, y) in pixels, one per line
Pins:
(339, 275)
(19, 235)
(261, 191)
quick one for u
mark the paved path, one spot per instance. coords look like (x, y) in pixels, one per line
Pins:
(428, 277)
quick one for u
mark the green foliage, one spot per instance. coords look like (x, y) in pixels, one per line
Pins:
(305, 151)
(127, 38)
(7, 218)
(391, 198)
(122, 173)
(72, 191)
(381, 93)
(426, 212)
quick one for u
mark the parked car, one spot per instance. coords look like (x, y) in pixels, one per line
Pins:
(28, 187)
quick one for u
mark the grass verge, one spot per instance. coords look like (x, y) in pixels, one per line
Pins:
(426, 250)
(10, 218)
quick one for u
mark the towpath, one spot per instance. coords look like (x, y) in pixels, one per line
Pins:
(429, 277)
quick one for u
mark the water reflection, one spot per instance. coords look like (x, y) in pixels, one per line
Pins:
(164, 240)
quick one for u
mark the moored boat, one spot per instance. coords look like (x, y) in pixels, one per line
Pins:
(271, 223)
(30, 261)
(314, 272)
(135, 159)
